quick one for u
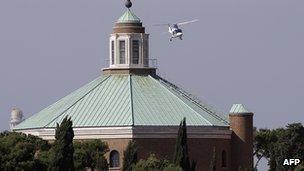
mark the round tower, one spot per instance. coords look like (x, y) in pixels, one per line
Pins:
(129, 46)
(241, 123)
(16, 117)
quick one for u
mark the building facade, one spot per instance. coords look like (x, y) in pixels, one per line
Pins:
(131, 102)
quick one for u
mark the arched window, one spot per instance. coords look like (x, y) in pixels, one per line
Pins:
(224, 158)
(114, 159)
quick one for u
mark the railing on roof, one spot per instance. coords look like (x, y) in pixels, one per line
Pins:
(151, 63)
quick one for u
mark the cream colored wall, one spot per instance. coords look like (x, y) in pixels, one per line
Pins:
(128, 37)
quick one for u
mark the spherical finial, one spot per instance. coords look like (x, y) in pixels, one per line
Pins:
(128, 4)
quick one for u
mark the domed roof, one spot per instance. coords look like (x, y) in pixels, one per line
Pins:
(126, 100)
(238, 109)
(128, 17)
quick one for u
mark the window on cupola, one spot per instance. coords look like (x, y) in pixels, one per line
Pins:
(135, 51)
(122, 52)
(146, 53)
(112, 52)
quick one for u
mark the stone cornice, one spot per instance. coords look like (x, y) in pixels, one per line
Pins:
(135, 132)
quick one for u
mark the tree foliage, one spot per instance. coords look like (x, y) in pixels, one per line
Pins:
(90, 154)
(154, 164)
(213, 161)
(62, 150)
(130, 156)
(279, 144)
(181, 156)
(19, 151)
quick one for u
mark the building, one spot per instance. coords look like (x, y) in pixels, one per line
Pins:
(131, 102)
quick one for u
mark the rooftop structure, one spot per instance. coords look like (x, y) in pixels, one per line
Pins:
(131, 102)
(126, 100)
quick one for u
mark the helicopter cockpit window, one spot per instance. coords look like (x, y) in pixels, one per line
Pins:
(122, 52)
(135, 51)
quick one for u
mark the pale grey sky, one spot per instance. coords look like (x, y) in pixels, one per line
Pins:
(241, 51)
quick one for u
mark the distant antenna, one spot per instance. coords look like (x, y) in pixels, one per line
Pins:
(16, 117)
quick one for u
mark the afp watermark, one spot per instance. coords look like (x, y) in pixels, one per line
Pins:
(291, 162)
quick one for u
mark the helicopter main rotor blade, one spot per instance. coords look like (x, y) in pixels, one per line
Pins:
(161, 24)
(187, 22)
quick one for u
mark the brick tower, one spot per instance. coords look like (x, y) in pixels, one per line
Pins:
(241, 123)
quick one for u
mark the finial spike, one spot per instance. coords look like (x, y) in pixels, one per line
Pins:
(128, 4)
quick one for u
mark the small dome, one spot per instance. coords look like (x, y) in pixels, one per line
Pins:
(128, 17)
(238, 109)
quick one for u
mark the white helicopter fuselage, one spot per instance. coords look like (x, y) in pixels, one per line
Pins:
(174, 29)
(175, 32)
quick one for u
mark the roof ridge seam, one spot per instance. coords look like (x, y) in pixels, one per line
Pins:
(77, 101)
(131, 97)
(206, 107)
(180, 99)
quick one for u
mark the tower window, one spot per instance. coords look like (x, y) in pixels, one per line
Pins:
(122, 52)
(135, 51)
(146, 53)
(112, 52)
(114, 159)
(224, 158)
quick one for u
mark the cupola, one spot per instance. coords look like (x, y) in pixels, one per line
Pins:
(129, 45)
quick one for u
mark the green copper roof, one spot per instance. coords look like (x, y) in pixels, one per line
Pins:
(125, 100)
(128, 17)
(238, 108)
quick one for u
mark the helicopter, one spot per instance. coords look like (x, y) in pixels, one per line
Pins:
(174, 29)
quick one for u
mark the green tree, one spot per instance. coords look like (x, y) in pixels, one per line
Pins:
(130, 156)
(62, 150)
(277, 144)
(212, 165)
(154, 164)
(172, 167)
(19, 151)
(299, 168)
(90, 154)
(181, 157)
(264, 144)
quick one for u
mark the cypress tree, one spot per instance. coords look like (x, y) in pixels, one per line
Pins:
(193, 165)
(130, 156)
(181, 157)
(63, 150)
(212, 166)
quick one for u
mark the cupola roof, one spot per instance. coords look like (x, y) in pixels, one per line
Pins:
(238, 108)
(128, 17)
